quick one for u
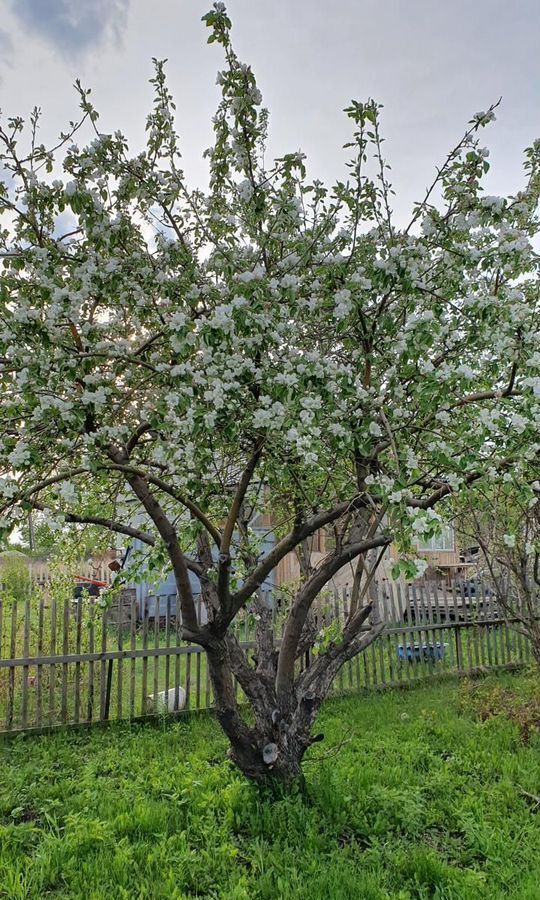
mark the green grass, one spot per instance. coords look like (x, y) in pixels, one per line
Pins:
(422, 801)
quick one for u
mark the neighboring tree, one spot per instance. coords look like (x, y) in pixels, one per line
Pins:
(49, 538)
(270, 344)
(15, 580)
(504, 520)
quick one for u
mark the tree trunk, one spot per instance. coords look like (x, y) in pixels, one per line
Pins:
(270, 752)
(271, 760)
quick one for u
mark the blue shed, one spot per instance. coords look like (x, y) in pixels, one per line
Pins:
(163, 596)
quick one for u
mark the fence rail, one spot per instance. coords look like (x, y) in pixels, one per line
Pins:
(70, 661)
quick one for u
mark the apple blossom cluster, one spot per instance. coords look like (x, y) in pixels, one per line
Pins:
(135, 312)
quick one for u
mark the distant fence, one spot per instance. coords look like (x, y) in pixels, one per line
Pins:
(73, 662)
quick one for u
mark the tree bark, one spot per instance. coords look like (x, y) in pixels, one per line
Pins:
(270, 751)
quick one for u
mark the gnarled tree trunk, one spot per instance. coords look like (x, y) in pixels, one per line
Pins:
(271, 748)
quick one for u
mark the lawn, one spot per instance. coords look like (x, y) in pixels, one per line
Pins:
(423, 800)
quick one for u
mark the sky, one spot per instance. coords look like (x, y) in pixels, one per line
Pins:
(431, 63)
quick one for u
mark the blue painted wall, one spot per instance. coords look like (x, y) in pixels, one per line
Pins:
(166, 590)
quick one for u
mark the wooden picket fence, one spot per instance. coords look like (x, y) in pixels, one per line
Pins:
(71, 661)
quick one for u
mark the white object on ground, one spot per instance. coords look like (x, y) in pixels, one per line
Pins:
(171, 700)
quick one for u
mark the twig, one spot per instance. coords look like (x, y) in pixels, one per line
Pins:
(333, 750)
(533, 797)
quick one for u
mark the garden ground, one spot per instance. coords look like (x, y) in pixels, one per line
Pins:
(430, 795)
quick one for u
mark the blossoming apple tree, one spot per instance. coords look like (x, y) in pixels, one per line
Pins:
(172, 360)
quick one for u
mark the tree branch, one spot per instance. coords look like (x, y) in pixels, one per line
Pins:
(284, 546)
(168, 534)
(230, 524)
(303, 602)
(102, 521)
(172, 492)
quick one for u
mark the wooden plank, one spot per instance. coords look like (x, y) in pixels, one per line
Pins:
(440, 591)
(91, 644)
(108, 690)
(496, 633)
(476, 638)
(26, 652)
(519, 641)
(386, 640)
(39, 670)
(65, 665)
(448, 651)
(157, 609)
(460, 614)
(502, 644)
(198, 663)
(373, 660)
(425, 663)
(414, 609)
(178, 645)
(508, 642)
(120, 663)
(207, 685)
(412, 632)
(103, 668)
(395, 663)
(380, 647)
(11, 671)
(78, 638)
(133, 664)
(167, 643)
(431, 600)
(52, 669)
(337, 615)
(420, 604)
(345, 614)
(488, 636)
(403, 669)
(481, 636)
(468, 640)
(144, 690)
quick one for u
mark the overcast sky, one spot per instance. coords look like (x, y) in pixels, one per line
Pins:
(432, 63)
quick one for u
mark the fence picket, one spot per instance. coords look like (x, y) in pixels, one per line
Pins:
(144, 689)
(156, 658)
(11, 676)
(103, 677)
(26, 653)
(91, 641)
(78, 636)
(178, 637)
(52, 668)
(65, 667)
(198, 664)
(167, 644)
(120, 663)
(39, 670)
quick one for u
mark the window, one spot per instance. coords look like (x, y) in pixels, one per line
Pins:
(442, 541)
